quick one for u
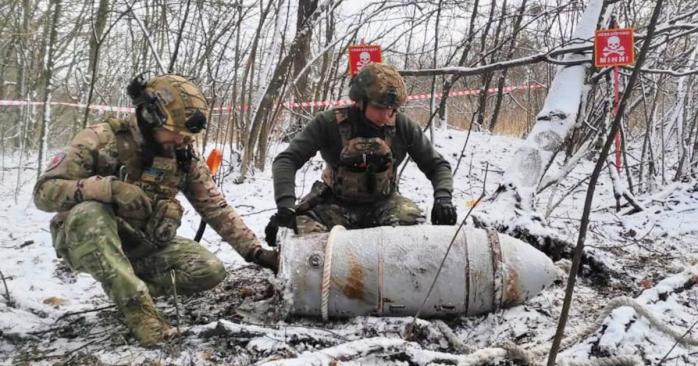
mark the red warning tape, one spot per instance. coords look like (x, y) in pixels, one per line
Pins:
(317, 103)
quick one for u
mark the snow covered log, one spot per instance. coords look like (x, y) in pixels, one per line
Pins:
(387, 271)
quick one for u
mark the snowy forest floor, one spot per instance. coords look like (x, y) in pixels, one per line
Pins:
(54, 316)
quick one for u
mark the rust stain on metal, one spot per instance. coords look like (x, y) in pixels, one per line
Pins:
(497, 276)
(512, 292)
(354, 286)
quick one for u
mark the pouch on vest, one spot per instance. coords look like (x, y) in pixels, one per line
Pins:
(162, 226)
(365, 171)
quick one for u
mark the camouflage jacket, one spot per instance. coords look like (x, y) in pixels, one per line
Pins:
(323, 134)
(108, 149)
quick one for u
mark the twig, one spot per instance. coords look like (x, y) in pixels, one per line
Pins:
(149, 41)
(467, 137)
(6, 295)
(258, 212)
(83, 312)
(676, 343)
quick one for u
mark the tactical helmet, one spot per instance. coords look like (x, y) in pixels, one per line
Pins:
(378, 84)
(171, 102)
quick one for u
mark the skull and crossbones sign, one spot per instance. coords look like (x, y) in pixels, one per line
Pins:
(364, 59)
(613, 47)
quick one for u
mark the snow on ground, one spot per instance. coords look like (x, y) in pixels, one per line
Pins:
(53, 315)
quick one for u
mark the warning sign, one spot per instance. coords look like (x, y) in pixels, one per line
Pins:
(362, 55)
(614, 47)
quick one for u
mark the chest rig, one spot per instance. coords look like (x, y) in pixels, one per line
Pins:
(365, 171)
(161, 181)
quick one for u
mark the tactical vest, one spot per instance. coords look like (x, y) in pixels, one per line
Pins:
(365, 171)
(161, 181)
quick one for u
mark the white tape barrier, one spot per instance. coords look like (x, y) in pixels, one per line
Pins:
(97, 107)
(456, 93)
(318, 103)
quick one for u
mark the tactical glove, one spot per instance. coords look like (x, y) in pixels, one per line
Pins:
(443, 212)
(266, 258)
(284, 217)
(130, 200)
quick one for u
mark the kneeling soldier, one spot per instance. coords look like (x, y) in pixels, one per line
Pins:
(114, 189)
(362, 146)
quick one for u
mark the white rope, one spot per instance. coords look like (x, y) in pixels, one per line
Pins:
(608, 361)
(457, 344)
(327, 273)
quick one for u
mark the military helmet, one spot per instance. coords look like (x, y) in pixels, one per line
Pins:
(378, 84)
(171, 102)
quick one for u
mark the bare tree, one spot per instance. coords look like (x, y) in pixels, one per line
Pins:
(55, 8)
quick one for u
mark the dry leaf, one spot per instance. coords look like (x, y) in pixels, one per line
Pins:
(55, 301)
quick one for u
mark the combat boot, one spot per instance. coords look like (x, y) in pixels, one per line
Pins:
(145, 322)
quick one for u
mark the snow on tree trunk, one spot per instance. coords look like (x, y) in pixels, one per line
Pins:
(554, 122)
(678, 118)
(556, 119)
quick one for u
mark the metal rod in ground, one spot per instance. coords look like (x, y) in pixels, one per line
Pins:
(173, 277)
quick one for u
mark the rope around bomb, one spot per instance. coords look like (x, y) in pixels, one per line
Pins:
(327, 273)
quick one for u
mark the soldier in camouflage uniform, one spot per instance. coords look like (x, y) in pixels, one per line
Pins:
(114, 189)
(362, 146)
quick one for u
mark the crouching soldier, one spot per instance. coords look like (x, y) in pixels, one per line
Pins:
(362, 146)
(114, 189)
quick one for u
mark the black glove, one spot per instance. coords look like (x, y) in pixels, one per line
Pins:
(266, 258)
(443, 212)
(284, 217)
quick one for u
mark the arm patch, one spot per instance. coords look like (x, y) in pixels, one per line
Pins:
(55, 161)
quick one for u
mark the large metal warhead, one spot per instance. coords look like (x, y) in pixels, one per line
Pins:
(388, 270)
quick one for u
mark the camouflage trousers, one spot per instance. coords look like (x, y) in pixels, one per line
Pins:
(89, 241)
(329, 211)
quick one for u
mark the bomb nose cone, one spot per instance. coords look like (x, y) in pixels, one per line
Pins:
(527, 271)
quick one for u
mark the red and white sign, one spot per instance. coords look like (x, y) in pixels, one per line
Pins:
(362, 55)
(614, 47)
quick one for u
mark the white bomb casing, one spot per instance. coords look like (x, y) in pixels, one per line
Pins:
(387, 271)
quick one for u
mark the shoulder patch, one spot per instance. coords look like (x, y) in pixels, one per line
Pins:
(55, 161)
(118, 125)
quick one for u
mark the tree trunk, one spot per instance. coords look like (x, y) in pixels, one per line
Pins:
(503, 73)
(300, 91)
(48, 84)
(273, 91)
(467, 46)
(486, 77)
(95, 44)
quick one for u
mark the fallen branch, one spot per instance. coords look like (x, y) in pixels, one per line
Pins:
(286, 334)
